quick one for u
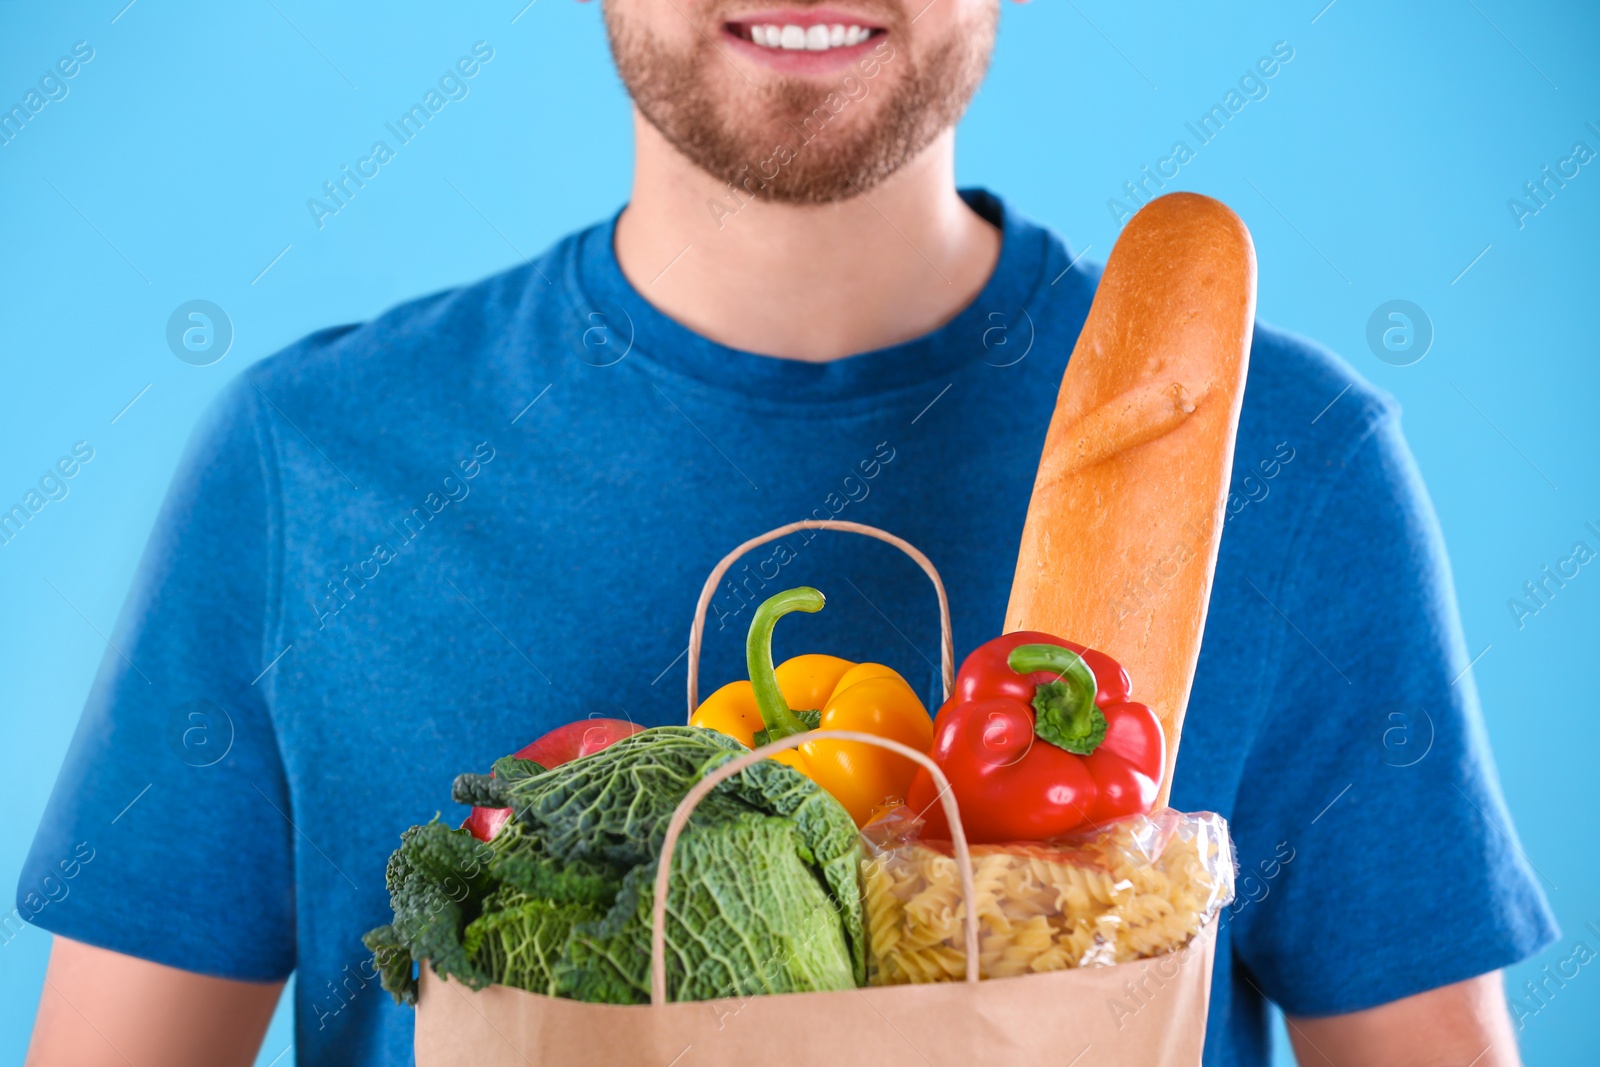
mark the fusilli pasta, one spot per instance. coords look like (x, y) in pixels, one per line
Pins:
(1140, 888)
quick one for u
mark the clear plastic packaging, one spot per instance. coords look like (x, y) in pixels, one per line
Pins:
(1140, 887)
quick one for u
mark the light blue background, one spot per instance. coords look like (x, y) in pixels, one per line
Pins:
(1378, 167)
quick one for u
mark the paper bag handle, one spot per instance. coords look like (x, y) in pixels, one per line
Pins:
(947, 653)
(680, 819)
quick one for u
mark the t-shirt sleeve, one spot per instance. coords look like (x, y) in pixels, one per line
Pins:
(1377, 856)
(168, 835)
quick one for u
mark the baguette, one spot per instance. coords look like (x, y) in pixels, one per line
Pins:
(1122, 531)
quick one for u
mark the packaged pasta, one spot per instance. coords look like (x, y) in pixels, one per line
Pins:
(1139, 887)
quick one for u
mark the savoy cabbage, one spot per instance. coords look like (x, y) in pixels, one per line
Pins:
(764, 896)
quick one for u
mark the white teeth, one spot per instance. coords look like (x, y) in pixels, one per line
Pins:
(816, 38)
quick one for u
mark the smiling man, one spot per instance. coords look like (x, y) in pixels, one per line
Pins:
(346, 603)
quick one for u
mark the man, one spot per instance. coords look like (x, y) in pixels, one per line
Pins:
(401, 550)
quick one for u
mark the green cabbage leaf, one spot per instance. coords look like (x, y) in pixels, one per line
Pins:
(764, 895)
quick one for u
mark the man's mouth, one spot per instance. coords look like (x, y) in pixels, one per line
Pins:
(817, 37)
(811, 31)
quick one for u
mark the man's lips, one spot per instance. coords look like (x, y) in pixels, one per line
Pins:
(815, 40)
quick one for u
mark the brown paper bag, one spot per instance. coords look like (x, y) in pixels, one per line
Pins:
(1150, 1013)
(1147, 1013)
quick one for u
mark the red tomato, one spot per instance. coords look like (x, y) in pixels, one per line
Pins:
(564, 744)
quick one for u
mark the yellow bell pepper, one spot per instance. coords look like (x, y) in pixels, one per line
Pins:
(834, 694)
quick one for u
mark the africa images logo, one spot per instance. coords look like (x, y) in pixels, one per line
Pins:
(199, 332)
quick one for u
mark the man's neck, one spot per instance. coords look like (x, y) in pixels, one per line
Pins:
(803, 282)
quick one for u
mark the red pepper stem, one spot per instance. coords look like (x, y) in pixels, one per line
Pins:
(781, 721)
(1065, 712)
(1062, 662)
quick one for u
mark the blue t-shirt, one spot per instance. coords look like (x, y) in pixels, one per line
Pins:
(397, 551)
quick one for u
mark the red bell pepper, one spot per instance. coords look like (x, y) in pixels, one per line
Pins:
(561, 745)
(1040, 739)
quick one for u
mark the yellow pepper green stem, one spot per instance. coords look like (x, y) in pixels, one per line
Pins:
(780, 719)
(830, 694)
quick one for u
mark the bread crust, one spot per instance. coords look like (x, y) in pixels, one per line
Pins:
(1122, 532)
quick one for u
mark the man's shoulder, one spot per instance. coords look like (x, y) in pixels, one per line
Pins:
(1307, 420)
(1301, 392)
(1288, 369)
(451, 335)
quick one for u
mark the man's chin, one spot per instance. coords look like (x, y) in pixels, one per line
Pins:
(803, 139)
(823, 131)
(802, 157)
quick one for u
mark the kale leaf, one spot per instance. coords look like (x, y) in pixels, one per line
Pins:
(437, 879)
(492, 790)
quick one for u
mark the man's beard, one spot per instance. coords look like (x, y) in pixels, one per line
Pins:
(820, 154)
